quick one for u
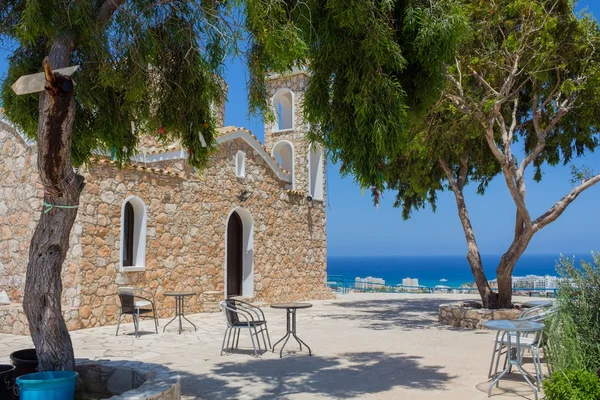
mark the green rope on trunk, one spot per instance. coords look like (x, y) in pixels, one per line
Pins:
(51, 206)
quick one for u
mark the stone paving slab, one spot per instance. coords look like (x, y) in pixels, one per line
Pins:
(365, 346)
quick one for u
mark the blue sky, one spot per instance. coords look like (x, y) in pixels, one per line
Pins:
(356, 228)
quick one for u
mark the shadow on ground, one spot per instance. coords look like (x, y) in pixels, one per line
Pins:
(346, 375)
(405, 314)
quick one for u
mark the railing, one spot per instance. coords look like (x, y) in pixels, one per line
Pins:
(341, 285)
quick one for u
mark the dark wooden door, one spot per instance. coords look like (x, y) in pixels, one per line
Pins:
(234, 255)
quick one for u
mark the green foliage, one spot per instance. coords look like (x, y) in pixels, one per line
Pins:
(156, 64)
(558, 60)
(572, 384)
(574, 333)
(375, 66)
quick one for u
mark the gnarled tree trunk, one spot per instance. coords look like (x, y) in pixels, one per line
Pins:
(50, 242)
(488, 297)
(507, 265)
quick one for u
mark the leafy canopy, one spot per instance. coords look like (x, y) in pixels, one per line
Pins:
(522, 58)
(375, 65)
(153, 63)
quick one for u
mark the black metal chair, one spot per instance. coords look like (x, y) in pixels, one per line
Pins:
(137, 303)
(241, 315)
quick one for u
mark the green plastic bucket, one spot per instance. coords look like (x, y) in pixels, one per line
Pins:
(49, 385)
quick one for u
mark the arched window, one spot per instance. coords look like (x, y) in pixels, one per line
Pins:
(283, 104)
(283, 152)
(315, 172)
(133, 235)
(240, 164)
(128, 224)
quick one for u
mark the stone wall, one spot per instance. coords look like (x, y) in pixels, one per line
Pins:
(187, 216)
(470, 314)
(19, 208)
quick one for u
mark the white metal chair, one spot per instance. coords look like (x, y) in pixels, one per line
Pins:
(137, 303)
(241, 315)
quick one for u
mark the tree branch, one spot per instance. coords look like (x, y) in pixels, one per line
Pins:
(484, 82)
(556, 210)
(107, 10)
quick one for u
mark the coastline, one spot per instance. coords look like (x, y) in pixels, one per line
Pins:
(430, 270)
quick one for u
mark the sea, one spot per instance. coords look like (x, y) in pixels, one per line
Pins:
(452, 270)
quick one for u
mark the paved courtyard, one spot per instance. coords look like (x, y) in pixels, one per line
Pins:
(367, 346)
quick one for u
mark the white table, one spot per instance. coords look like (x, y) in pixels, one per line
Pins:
(514, 358)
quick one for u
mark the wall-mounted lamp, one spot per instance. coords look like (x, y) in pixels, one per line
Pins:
(244, 195)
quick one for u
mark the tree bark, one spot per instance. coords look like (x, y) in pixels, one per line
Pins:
(488, 297)
(507, 265)
(50, 242)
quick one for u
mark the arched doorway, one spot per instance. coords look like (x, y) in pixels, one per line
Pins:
(235, 260)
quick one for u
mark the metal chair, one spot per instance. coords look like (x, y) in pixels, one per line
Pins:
(241, 315)
(137, 303)
(533, 344)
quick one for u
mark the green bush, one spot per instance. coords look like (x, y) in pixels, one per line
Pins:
(572, 385)
(573, 334)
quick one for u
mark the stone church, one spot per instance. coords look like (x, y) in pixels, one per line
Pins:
(251, 224)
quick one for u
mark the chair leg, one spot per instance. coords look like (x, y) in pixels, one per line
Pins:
(229, 338)
(237, 340)
(268, 338)
(257, 339)
(136, 323)
(119, 323)
(262, 331)
(224, 336)
(496, 353)
(252, 339)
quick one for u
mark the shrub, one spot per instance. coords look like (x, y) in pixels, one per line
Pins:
(574, 333)
(572, 385)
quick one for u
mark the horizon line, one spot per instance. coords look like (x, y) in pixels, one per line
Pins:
(457, 255)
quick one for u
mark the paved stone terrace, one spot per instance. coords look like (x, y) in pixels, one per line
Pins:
(367, 346)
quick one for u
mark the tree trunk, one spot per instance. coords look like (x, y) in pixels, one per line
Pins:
(507, 265)
(50, 242)
(488, 297)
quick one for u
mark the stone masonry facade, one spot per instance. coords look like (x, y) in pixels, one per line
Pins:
(187, 215)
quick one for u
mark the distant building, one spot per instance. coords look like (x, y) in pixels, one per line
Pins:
(410, 282)
(368, 283)
(535, 282)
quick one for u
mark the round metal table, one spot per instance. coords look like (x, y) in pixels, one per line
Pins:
(539, 303)
(179, 296)
(514, 358)
(291, 324)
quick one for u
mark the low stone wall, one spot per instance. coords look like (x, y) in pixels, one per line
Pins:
(127, 380)
(471, 315)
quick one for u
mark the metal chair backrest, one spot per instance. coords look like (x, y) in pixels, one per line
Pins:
(127, 298)
(228, 307)
(542, 316)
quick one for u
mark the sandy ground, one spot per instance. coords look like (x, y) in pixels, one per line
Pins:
(365, 346)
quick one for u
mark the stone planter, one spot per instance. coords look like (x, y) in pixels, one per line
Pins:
(120, 380)
(471, 315)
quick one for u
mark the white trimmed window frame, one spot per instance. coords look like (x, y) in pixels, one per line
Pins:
(278, 94)
(275, 152)
(240, 164)
(140, 218)
(316, 175)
